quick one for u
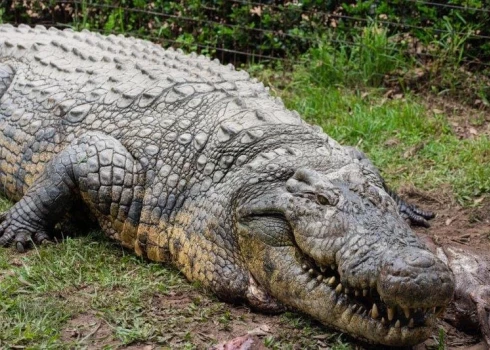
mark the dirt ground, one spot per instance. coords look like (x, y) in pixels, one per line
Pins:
(468, 228)
(94, 332)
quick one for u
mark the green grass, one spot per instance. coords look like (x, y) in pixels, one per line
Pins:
(50, 284)
(370, 55)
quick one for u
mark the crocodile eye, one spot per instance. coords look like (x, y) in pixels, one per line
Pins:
(322, 199)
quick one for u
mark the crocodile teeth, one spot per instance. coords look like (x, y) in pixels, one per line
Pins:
(304, 267)
(383, 321)
(311, 271)
(319, 278)
(323, 269)
(332, 267)
(364, 292)
(391, 313)
(375, 312)
(411, 323)
(356, 293)
(332, 281)
(338, 290)
(397, 324)
(347, 290)
(406, 311)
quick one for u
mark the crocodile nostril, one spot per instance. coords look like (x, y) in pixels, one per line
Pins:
(420, 259)
(412, 277)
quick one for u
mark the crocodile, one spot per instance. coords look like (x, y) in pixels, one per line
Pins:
(190, 162)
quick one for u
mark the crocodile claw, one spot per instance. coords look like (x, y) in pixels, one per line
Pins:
(413, 219)
(410, 212)
(20, 247)
(17, 233)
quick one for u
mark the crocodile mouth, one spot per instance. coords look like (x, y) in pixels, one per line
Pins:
(367, 303)
(290, 275)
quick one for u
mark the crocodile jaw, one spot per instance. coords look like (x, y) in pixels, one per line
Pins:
(281, 271)
(333, 246)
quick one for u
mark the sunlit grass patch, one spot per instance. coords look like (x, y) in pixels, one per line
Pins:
(40, 291)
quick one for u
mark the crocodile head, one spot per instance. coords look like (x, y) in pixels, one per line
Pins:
(332, 245)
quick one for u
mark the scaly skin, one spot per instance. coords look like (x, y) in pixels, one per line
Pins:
(190, 162)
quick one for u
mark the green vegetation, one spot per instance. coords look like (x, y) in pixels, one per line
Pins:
(273, 28)
(371, 56)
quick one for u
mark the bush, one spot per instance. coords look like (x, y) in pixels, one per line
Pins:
(242, 30)
(371, 55)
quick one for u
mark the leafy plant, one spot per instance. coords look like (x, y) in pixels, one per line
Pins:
(365, 60)
(274, 28)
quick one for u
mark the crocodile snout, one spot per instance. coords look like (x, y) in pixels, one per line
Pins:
(415, 277)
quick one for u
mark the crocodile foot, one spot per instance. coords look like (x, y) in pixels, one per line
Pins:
(14, 231)
(411, 213)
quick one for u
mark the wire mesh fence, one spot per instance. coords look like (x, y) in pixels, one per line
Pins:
(199, 22)
(430, 33)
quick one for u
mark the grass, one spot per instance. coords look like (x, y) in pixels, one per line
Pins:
(370, 56)
(38, 292)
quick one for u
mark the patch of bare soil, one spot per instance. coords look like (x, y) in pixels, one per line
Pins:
(197, 318)
(453, 223)
(224, 327)
(89, 330)
(466, 121)
(454, 226)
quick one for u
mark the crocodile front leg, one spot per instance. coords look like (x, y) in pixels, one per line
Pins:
(95, 170)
